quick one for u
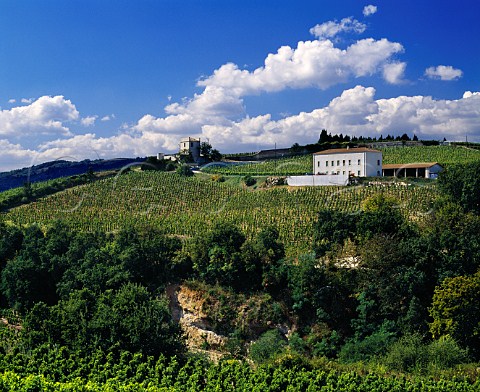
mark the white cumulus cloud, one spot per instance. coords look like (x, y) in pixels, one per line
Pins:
(88, 121)
(108, 117)
(331, 29)
(311, 64)
(443, 72)
(47, 116)
(393, 72)
(369, 10)
(357, 112)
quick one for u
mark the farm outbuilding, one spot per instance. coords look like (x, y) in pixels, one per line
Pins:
(417, 170)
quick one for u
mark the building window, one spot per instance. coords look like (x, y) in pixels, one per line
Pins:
(326, 163)
(333, 163)
(349, 162)
(318, 164)
(338, 163)
(358, 173)
(378, 162)
(378, 173)
(359, 162)
(344, 162)
(343, 172)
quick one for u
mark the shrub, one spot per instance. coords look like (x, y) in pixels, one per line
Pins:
(407, 354)
(445, 353)
(375, 344)
(218, 178)
(170, 166)
(185, 171)
(249, 180)
(267, 347)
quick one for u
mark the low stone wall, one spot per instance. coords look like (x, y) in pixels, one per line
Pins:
(318, 180)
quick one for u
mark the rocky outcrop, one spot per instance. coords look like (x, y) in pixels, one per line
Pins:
(186, 307)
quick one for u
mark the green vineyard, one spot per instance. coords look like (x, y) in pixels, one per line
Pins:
(187, 206)
(444, 155)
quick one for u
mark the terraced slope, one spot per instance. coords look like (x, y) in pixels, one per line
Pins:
(186, 206)
(444, 155)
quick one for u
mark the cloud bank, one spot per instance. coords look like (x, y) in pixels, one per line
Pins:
(218, 111)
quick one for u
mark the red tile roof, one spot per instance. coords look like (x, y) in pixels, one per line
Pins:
(423, 165)
(346, 150)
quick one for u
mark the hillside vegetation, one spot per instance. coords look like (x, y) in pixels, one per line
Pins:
(373, 287)
(445, 155)
(188, 206)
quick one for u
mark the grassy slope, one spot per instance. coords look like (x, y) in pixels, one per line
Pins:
(186, 206)
(444, 155)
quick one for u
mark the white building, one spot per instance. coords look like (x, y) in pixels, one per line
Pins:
(425, 170)
(358, 162)
(190, 145)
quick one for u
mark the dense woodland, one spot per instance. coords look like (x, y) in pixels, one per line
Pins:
(377, 294)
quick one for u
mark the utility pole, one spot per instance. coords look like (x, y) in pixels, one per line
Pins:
(275, 156)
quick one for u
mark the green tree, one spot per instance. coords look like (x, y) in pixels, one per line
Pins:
(131, 318)
(263, 262)
(217, 257)
(332, 228)
(267, 347)
(456, 311)
(125, 319)
(185, 171)
(461, 183)
(147, 255)
(449, 236)
(380, 215)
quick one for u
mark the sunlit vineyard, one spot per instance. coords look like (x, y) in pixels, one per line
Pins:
(444, 155)
(186, 206)
(283, 166)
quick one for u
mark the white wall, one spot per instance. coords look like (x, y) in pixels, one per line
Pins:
(315, 180)
(360, 164)
(372, 168)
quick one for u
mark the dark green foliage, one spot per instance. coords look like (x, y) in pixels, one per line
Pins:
(380, 215)
(332, 227)
(128, 318)
(263, 262)
(216, 255)
(407, 354)
(249, 180)
(147, 255)
(269, 345)
(369, 347)
(209, 154)
(185, 171)
(451, 235)
(461, 183)
(11, 238)
(411, 354)
(456, 311)
(152, 163)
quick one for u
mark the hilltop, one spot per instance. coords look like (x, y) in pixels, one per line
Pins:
(58, 169)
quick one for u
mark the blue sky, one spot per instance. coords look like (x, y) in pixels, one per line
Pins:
(89, 79)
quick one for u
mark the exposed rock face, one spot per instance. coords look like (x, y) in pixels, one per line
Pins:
(186, 307)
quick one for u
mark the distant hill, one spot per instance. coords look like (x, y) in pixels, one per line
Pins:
(60, 168)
